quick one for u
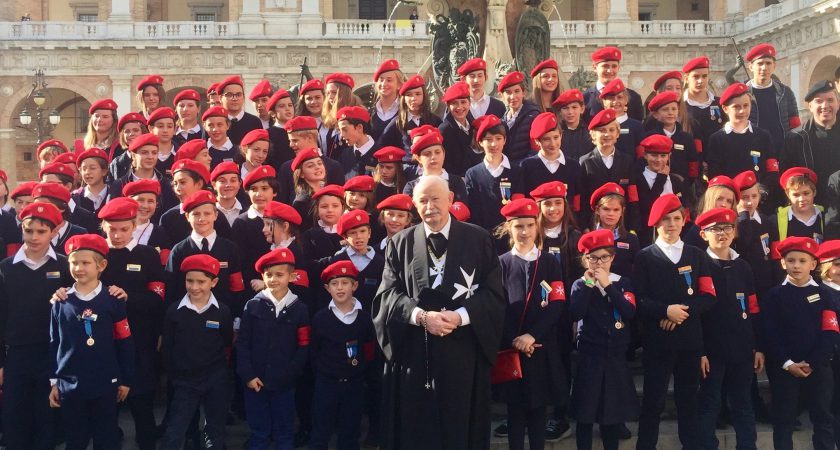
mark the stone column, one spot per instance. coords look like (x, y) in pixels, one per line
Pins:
(733, 9)
(497, 47)
(250, 80)
(122, 92)
(618, 20)
(251, 21)
(120, 21)
(311, 19)
(8, 155)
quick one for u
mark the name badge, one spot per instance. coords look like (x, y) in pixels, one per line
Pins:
(227, 159)
(134, 267)
(818, 237)
(623, 245)
(53, 275)
(679, 147)
(755, 153)
(223, 264)
(553, 249)
(625, 131)
(370, 282)
(684, 269)
(212, 324)
(624, 181)
(813, 298)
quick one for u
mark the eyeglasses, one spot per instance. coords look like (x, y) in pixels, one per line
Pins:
(598, 259)
(234, 95)
(720, 229)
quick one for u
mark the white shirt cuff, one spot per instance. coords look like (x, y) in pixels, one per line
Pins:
(53, 381)
(413, 318)
(465, 316)
(787, 364)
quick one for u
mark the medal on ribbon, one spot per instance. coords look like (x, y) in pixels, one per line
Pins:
(88, 317)
(755, 154)
(504, 187)
(741, 299)
(685, 271)
(352, 352)
(765, 244)
(545, 289)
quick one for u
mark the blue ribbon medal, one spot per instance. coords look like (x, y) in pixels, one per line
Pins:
(740, 297)
(685, 271)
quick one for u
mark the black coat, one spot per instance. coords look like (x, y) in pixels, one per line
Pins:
(518, 141)
(460, 155)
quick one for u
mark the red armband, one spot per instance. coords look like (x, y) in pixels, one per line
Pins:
(11, 249)
(698, 145)
(752, 300)
(228, 352)
(164, 256)
(158, 288)
(640, 152)
(237, 284)
(369, 350)
(631, 298)
(829, 321)
(300, 278)
(772, 165)
(303, 336)
(794, 122)
(693, 169)
(576, 203)
(558, 292)
(774, 251)
(707, 286)
(122, 330)
(517, 196)
(632, 193)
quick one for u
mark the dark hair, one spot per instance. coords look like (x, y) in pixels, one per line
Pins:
(272, 182)
(64, 179)
(45, 222)
(425, 111)
(357, 122)
(192, 174)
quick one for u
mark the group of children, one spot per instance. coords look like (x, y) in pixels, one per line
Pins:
(241, 255)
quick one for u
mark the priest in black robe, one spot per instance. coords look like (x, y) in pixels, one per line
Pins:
(439, 314)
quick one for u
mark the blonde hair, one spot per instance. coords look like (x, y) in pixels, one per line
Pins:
(707, 202)
(113, 133)
(536, 92)
(503, 229)
(345, 97)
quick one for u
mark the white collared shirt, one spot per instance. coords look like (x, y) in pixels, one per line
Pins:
(530, 255)
(672, 251)
(810, 282)
(142, 234)
(757, 217)
(284, 243)
(238, 117)
(71, 205)
(552, 166)
(415, 119)
(253, 213)
(479, 107)
(134, 176)
(669, 133)
(464, 128)
(130, 246)
(366, 146)
(163, 156)
(331, 229)
(444, 231)
(86, 297)
(622, 118)
(232, 213)
(360, 260)
(733, 255)
(702, 105)
(511, 115)
(832, 285)
(280, 304)
(465, 317)
(346, 317)
(811, 220)
(607, 160)
(211, 239)
(95, 198)
(20, 256)
(186, 303)
(226, 146)
(387, 114)
(650, 177)
(755, 85)
(265, 124)
(7, 207)
(61, 231)
(184, 133)
(727, 127)
(553, 232)
(497, 172)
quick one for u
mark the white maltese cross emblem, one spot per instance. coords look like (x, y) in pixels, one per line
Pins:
(468, 290)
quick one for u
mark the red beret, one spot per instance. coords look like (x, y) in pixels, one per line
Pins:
(484, 123)
(542, 124)
(544, 64)
(603, 118)
(164, 112)
(672, 75)
(798, 244)
(224, 168)
(23, 189)
(280, 94)
(198, 198)
(119, 209)
(606, 54)
(723, 180)
(142, 141)
(614, 87)
(105, 103)
(389, 154)
(426, 141)
(57, 168)
(797, 172)
(51, 190)
(235, 79)
(745, 180)
(149, 80)
(280, 211)
(389, 65)
(190, 149)
(664, 205)
(301, 123)
(252, 136)
(130, 117)
(594, 240)
(552, 189)
(657, 143)
(460, 211)
(191, 166)
(92, 242)
(350, 220)
(456, 91)
(341, 78)
(353, 113)
(761, 51)
(360, 183)
(701, 62)
(330, 189)
(568, 97)
(275, 257)
(829, 250)
(510, 80)
(400, 202)
(54, 143)
(41, 210)
(90, 153)
(187, 94)
(64, 158)
(201, 263)
(422, 130)
(258, 174)
(606, 189)
(213, 89)
(215, 111)
(414, 82)
(339, 269)
(262, 89)
(716, 215)
(143, 186)
(520, 208)
(663, 98)
(732, 92)
(314, 84)
(471, 65)
(304, 155)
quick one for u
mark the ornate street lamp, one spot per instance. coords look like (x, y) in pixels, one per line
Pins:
(39, 121)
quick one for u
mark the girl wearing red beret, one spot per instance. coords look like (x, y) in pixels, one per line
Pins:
(546, 84)
(101, 129)
(414, 110)
(386, 105)
(322, 239)
(151, 96)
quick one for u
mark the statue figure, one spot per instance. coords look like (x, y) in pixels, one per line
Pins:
(532, 40)
(455, 39)
(582, 79)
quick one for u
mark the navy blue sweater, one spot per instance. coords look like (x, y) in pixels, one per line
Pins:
(518, 141)
(195, 346)
(598, 334)
(485, 195)
(332, 340)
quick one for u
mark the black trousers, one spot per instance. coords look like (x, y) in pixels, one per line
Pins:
(609, 436)
(735, 379)
(142, 411)
(337, 406)
(817, 389)
(213, 393)
(87, 419)
(520, 418)
(659, 365)
(28, 420)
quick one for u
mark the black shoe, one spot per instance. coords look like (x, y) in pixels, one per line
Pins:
(501, 430)
(622, 432)
(301, 438)
(556, 430)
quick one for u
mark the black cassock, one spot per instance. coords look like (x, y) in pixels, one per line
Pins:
(454, 411)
